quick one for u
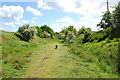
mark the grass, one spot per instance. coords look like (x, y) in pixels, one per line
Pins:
(16, 53)
(45, 61)
(89, 60)
(102, 54)
(71, 66)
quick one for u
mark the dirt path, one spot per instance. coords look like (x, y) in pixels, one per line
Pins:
(45, 61)
(48, 62)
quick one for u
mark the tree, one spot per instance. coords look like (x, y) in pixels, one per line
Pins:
(47, 29)
(23, 27)
(26, 35)
(33, 31)
(27, 32)
(83, 34)
(105, 22)
(57, 35)
(86, 31)
(68, 34)
(61, 36)
(46, 34)
(116, 16)
(70, 37)
(116, 22)
(64, 32)
(72, 29)
(40, 33)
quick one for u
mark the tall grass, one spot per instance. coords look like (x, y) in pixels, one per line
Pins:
(104, 54)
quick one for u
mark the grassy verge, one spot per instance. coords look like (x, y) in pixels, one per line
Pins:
(102, 54)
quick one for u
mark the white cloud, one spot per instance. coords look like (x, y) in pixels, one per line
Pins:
(67, 5)
(43, 5)
(83, 7)
(18, 23)
(1, 28)
(35, 18)
(34, 11)
(13, 26)
(79, 6)
(53, 21)
(25, 21)
(59, 24)
(91, 10)
(86, 21)
(9, 24)
(33, 21)
(56, 27)
(65, 19)
(21, 22)
(11, 12)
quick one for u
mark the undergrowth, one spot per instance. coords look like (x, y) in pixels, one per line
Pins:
(104, 54)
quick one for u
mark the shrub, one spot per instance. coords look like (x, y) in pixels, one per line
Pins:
(26, 32)
(47, 29)
(115, 40)
(79, 39)
(40, 32)
(107, 40)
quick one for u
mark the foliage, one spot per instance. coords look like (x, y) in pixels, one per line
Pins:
(100, 35)
(104, 54)
(80, 39)
(57, 35)
(40, 33)
(47, 29)
(22, 28)
(116, 22)
(100, 47)
(68, 34)
(30, 32)
(27, 32)
(47, 35)
(116, 16)
(61, 36)
(95, 47)
(83, 30)
(105, 22)
(86, 31)
(112, 20)
(70, 37)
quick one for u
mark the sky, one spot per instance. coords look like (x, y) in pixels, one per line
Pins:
(57, 14)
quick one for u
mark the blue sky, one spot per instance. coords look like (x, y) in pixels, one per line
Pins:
(55, 13)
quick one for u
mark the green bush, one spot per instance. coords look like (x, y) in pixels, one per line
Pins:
(47, 29)
(107, 40)
(115, 40)
(79, 39)
(40, 32)
(27, 32)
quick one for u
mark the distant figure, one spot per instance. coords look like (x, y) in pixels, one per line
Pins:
(56, 46)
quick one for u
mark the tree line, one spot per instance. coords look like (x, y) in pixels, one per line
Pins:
(110, 23)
